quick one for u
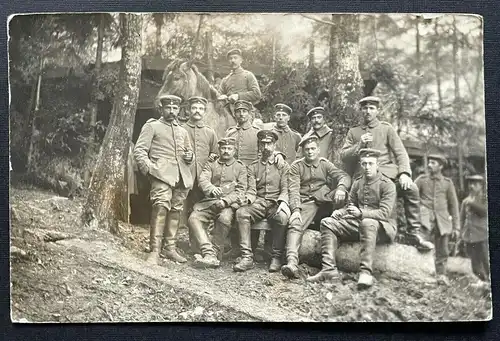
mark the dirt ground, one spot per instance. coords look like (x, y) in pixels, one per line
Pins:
(63, 272)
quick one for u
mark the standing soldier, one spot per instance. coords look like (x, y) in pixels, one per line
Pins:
(320, 129)
(393, 163)
(240, 84)
(164, 153)
(369, 217)
(267, 198)
(438, 201)
(223, 183)
(288, 139)
(313, 182)
(474, 222)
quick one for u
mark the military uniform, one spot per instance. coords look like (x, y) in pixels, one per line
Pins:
(158, 153)
(438, 201)
(393, 162)
(288, 139)
(231, 177)
(310, 185)
(267, 188)
(474, 222)
(324, 134)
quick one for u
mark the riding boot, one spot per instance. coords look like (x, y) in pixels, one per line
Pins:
(278, 233)
(220, 234)
(328, 265)
(158, 217)
(291, 269)
(411, 201)
(246, 262)
(171, 236)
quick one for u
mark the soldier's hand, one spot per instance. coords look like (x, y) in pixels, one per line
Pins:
(212, 157)
(217, 192)
(337, 214)
(455, 235)
(295, 215)
(220, 204)
(405, 181)
(222, 97)
(280, 159)
(283, 207)
(367, 137)
(188, 155)
(340, 195)
(354, 211)
(468, 200)
(233, 97)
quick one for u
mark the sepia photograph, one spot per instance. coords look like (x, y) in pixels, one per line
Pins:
(247, 167)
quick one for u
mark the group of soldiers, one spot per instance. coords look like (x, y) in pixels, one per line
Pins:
(227, 187)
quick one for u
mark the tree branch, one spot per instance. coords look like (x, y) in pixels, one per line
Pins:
(318, 20)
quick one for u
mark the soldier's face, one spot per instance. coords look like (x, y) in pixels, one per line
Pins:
(242, 115)
(235, 60)
(267, 148)
(475, 187)
(434, 166)
(370, 112)
(197, 111)
(311, 151)
(281, 118)
(317, 121)
(369, 165)
(226, 152)
(169, 111)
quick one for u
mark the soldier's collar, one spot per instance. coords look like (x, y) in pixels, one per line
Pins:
(285, 129)
(314, 164)
(227, 163)
(439, 176)
(322, 131)
(174, 122)
(372, 124)
(198, 124)
(271, 161)
(245, 126)
(374, 179)
(238, 70)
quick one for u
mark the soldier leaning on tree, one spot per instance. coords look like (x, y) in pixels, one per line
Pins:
(164, 153)
(393, 163)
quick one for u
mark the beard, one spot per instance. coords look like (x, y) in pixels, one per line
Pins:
(266, 153)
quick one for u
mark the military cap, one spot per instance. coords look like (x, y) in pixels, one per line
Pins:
(369, 100)
(439, 157)
(283, 107)
(369, 152)
(319, 110)
(475, 177)
(307, 139)
(233, 51)
(267, 136)
(169, 100)
(241, 104)
(227, 141)
(197, 99)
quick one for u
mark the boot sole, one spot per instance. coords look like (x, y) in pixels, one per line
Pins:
(287, 272)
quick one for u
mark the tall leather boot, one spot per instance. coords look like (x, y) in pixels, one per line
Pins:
(329, 245)
(278, 233)
(158, 217)
(200, 235)
(221, 232)
(255, 237)
(171, 237)
(246, 262)
(411, 200)
(291, 269)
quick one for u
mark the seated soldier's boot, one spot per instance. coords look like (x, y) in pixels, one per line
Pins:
(290, 270)
(443, 280)
(324, 275)
(158, 217)
(208, 261)
(275, 265)
(277, 238)
(328, 265)
(220, 233)
(170, 237)
(365, 280)
(420, 243)
(246, 263)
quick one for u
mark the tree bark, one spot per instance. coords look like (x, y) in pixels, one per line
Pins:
(437, 66)
(158, 18)
(104, 205)
(417, 53)
(456, 81)
(346, 84)
(210, 56)
(311, 56)
(31, 148)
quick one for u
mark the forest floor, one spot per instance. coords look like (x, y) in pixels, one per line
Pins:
(62, 272)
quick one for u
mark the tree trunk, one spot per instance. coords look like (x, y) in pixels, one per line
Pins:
(29, 164)
(210, 56)
(437, 66)
(103, 205)
(417, 53)
(158, 19)
(456, 81)
(346, 84)
(311, 56)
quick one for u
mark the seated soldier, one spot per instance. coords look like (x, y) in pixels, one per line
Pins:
(369, 217)
(313, 181)
(267, 198)
(223, 184)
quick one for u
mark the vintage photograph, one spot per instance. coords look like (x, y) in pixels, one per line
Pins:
(220, 167)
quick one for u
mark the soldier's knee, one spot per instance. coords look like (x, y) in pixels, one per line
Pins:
(369, 223)
(226, 217)
(328, 223)
(281, 218)
(242, 214)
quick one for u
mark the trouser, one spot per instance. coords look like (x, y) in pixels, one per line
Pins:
(195, 195)
(296, 231)
(369, 232)
(198, 224)
(261, 209)
(441, 246)
(479, 256)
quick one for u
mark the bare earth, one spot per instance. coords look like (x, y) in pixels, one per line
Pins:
(62, 272)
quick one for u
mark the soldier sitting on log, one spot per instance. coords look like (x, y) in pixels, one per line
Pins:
(223, 184)
(267, 198)
(369, 217)
(313, 181)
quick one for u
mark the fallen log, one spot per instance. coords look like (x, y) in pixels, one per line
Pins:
(394, 260)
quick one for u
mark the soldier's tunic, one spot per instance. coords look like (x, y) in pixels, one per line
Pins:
(311, 185)
(243, 83)
(247, 149)
(204, 142)
(376, 199)
(438, 203)
(325, 142)
(158, 153)
(288, 142)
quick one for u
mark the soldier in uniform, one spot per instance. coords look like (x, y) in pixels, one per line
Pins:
(163, 153)
(393, 163)
(204, 142)
(266, 198)
(319, 129)
(223, 183)
(438, 201)
(474, 222)
(369, 217)
(240, 84)
(313, 182)
(288, 139)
